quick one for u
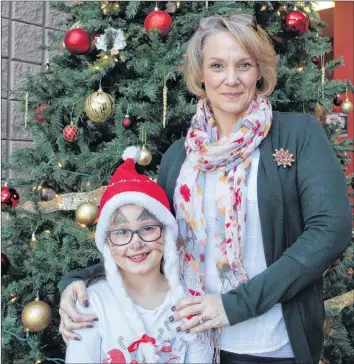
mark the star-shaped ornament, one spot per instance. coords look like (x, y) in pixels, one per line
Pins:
(283, 157)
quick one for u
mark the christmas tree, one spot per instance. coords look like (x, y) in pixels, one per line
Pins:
(118, 82)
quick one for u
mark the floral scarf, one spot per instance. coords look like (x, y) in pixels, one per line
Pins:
(231, 157)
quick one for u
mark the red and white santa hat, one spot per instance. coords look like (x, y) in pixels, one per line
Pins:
(129, 187)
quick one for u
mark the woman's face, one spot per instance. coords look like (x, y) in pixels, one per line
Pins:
(137, 257)
(229, 74)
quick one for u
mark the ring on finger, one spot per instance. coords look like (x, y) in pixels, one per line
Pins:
(200, 318)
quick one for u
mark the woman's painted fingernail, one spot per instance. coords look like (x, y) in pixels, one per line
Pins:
(89, 325)
(178, 329)
(77, 338)
(86, 303)
(171, 319)
(95, 319)
(188, 331)
(173, 308)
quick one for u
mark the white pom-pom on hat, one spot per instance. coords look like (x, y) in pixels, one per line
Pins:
(132, 152)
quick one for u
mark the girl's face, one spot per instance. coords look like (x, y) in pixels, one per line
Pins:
(230, 75)
(137, 257)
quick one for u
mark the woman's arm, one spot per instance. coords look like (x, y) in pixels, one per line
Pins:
(88, 349)
(327, 232)
(81, 275)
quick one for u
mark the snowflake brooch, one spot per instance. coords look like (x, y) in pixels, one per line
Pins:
(283, 157)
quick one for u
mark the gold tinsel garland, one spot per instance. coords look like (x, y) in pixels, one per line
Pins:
(340, 302)
(67, 201)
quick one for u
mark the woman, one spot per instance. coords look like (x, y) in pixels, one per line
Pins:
(255, 238)
(135, 231)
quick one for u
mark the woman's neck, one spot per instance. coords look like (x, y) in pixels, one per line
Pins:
(227, 123)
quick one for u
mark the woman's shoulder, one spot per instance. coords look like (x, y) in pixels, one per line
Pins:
(294, 126)
(294, 121)
(176, 146)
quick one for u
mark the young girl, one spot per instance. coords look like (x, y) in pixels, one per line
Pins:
(136, 233)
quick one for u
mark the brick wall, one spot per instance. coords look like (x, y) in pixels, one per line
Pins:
(25, 26)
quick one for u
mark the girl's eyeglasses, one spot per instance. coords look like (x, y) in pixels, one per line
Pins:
(148, 234)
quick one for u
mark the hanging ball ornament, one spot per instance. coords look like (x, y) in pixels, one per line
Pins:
(296, 22)
(316, 60)
(158, 19)
(9, 197)
(5, 264)
(338, 100)
(36, 315)
(346, 106)
(77, 41)
(86, 213)
(71, 133)
(99, 106)
(145, 157)
(127, 123)
(337, 109)
(38, 113)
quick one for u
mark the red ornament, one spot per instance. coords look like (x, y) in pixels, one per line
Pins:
(297, 22)
(338, 100)
(9, 197)
(38, 111)
(127, 123)
(337, 109)
(158, 19)
(77, 41)
(5, 264)
(316, 60)
(71, 133)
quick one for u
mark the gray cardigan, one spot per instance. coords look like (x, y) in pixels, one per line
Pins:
(306, 224)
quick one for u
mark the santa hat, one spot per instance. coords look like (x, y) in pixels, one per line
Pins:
(129, 187)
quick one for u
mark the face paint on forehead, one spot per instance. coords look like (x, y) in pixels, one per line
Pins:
(118, 218)
(146, 215)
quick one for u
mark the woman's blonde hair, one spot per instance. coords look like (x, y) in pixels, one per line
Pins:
(250, 36)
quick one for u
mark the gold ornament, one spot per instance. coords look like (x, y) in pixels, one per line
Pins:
(318, 111)
(283, 157)
(346, 106)
(86, 213)
(36, 315)
(145, 157)
(164, 94)
(99, 106)
(33, 241)
(48, 69)
(105, 7)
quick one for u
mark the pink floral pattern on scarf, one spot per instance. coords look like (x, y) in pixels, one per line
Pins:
(231, 157)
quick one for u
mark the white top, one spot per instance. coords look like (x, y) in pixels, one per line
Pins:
(264, 335)
(108, 341)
